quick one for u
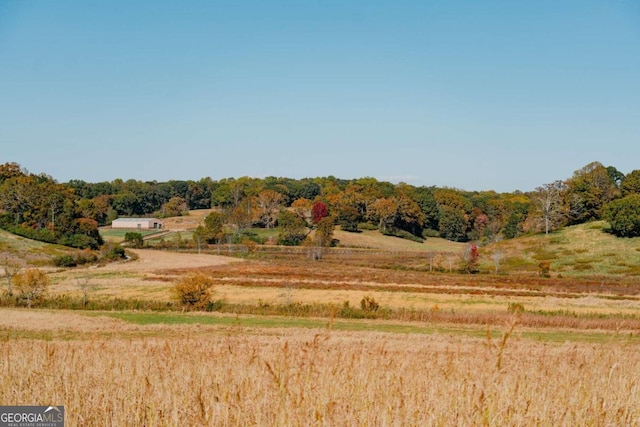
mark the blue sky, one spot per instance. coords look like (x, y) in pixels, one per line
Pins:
(477, 95)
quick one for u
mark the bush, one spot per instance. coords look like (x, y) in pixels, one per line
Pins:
(134, 239)
(85, 257)
(348, 312)
(194, 291)
(64, 261)
(515, 308)
(113, 252)
(544, 268)
(369, 304)
(78, 258)
(427, 232)
(367, 226)
(80, 241)
(31, 286)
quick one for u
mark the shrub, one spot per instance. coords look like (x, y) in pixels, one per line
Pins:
(251, 245)
(348, 312)
(194, 291)
(369, 304)
(427, 232)
(85, 257)
(113, 252)
(134, 239)
(544, 268)
(31, 286)
(64, 261)
(80, 241)
(515, 308)
(367, 226)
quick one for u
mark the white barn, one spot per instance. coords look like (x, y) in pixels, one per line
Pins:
(137, 223)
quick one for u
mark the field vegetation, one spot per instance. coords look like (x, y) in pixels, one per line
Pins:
(378, 331)
(108, 371)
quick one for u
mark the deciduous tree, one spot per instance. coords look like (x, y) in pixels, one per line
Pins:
(318, 212)
(31, 285)
(385, 211)
(269, 204)
(623, 216)
(293, 229)
(590, 188)
(549, 202)
(631, 183)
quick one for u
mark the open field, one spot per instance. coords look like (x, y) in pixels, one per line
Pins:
(112, 372)
(443, 349)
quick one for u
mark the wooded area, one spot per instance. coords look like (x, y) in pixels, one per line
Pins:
(37, 206)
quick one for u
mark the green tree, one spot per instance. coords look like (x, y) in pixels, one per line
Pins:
(623, 216)
(453, 224)
(293, 229)
(427, 202)
(590, 188)
(410, 217)
(214, 227)
(134, 239)
(323, 235)
(631, 183)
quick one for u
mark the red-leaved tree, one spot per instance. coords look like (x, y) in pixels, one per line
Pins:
(318, 212)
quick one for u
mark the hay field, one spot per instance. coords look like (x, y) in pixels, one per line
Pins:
(339, 278)
(112, 374)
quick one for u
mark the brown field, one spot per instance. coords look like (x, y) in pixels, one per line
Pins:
(395, 280)
(112, 374)
(570, 358)
(186, 222)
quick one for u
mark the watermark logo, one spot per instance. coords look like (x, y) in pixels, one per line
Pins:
(31, 416)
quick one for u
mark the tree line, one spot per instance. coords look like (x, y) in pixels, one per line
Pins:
(70, 213)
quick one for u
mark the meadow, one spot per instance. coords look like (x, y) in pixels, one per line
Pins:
(111, 372)
(288, 342)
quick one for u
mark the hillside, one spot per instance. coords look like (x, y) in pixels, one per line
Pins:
(584, 250)
(27, 252)
(373, 239)
(580, 250)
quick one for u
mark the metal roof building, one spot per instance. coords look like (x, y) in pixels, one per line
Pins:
(137, 223)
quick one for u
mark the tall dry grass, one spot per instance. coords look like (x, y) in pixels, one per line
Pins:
(293, 377)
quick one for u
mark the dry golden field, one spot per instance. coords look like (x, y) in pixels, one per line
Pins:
(445, 349)
(396, 280)
(111, 373)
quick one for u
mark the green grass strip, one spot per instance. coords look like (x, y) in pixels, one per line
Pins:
(480, 331)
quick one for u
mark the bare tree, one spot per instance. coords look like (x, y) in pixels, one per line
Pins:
(11, 268)
(85, 287)
(497, 256)
(549, 200)
(431, 255)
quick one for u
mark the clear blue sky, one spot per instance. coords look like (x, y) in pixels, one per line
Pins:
(477, 95)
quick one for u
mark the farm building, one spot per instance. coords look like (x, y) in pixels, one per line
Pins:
(137, 223)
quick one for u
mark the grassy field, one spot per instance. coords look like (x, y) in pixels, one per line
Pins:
(112, 234)
(126, 370)
(443, 349)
